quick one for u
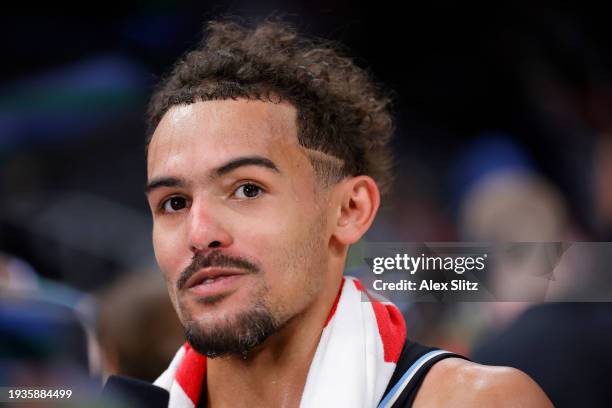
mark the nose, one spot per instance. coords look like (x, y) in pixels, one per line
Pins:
(206, 228)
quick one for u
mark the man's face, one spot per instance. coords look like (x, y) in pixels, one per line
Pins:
(239, 228)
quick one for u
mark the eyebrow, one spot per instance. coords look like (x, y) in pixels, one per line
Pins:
(245, 161)
(218, 172)
(163, 182)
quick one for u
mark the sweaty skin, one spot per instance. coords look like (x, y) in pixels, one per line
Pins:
(296, 231)
(458, 383)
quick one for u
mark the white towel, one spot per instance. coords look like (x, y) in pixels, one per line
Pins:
(356, 356)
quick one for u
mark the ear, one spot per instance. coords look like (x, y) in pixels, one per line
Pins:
(359, 199)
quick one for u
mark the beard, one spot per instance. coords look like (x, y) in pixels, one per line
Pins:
(222, 335)
(236, 335)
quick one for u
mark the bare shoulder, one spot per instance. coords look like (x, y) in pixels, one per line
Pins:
(455, 382)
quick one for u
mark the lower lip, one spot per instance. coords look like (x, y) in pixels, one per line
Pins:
(217, 287)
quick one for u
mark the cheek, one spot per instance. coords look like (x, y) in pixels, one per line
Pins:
(167, 248)
(299, 254)
(165, 254)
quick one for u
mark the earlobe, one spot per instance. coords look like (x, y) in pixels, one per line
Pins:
(359, 202)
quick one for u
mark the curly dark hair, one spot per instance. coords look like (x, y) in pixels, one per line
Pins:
(341, 110)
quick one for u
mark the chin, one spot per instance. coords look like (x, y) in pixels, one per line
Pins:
(231, 333)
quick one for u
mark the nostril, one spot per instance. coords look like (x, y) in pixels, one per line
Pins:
(214, 244)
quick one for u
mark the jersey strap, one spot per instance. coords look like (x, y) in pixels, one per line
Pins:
(404, 389)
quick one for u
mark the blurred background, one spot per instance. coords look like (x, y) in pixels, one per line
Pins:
(504, 133)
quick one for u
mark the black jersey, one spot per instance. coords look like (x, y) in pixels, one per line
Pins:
(414, 363)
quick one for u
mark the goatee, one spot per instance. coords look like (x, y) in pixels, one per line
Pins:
(237, 335)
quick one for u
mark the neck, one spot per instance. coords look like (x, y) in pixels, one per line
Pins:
(274, 374)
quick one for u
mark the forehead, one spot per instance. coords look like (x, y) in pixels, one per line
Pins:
(211, 132)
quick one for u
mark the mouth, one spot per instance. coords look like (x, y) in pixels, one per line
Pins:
(213, 281)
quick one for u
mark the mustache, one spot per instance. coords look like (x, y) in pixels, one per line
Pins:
(213, 259)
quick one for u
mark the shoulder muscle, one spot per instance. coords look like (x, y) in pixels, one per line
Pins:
(460, 383)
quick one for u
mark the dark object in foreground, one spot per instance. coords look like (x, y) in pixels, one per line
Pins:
(134, 393)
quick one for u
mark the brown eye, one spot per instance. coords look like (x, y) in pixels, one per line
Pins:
(248, 190)
(174, 204)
